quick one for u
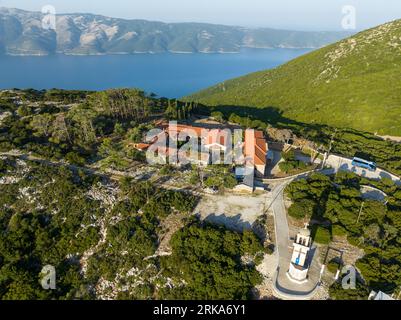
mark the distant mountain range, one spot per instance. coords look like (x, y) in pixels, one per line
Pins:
(354, 83)
(21, 33)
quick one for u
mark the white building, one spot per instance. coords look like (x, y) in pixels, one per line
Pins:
(298, 271)
(379, 296)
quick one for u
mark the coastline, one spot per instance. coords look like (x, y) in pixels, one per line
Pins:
(152, 52)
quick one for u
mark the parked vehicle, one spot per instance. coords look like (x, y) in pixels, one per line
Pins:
(361, 163)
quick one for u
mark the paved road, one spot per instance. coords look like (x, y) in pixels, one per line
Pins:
(339, 163)
(283, 287)
(369, 192)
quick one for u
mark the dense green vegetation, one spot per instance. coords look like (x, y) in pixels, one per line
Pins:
(209, 261)
(290, 163)
(51, 95)
(337, 292)
(42, 123)
(102, 237)
(321, 235)
(177, 110)
(82, 127)
(333, 266)
(40, 219)
(369, 224)
(350, 84)
(50, 129)
(134, 237)
(348, 142)
(218, 177)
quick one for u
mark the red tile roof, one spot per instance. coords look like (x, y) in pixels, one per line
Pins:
(189, 130)
(140, 146)
(255, 146)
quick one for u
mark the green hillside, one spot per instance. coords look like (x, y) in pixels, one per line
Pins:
(354, 83)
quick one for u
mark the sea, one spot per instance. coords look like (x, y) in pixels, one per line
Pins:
(171, 75)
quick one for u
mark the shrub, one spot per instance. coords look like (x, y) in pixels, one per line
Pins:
(355, 241)
(220, 177)
(24, 111)
(322, 235)
(74, 158)
(218, 116)
(290, 163)
(230, 181)
(301, 209)
(166, 170)
(119, 129)
(333, 266)
(286, 166)
(135, 155)
(337, 292)
(338, 230)
(208, 259)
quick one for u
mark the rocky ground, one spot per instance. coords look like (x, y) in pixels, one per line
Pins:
(237, 212)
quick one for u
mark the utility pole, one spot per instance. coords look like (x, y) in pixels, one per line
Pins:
(360, 212)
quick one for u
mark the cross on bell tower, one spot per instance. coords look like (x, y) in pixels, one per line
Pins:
(298, 271)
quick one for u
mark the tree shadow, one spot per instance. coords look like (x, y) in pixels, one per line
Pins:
(310, 256)
(231, 222)
(269, 114)
(385, 175)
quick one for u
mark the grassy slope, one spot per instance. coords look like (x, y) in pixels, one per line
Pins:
(354, 83)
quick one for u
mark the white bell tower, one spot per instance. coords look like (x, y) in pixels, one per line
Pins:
(298, 271)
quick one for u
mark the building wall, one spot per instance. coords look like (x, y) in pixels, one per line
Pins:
(260, 170)
(299, 275)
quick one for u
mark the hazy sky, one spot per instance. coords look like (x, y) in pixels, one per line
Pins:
(294, 14)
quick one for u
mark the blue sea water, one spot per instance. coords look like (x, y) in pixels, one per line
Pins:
(166, 74)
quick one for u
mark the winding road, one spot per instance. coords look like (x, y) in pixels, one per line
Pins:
(283, 287)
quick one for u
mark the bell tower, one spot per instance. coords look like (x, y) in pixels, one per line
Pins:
(298, 271)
